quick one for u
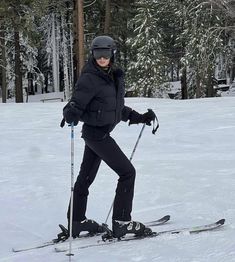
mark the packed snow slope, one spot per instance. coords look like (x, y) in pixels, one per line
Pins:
(186, 170)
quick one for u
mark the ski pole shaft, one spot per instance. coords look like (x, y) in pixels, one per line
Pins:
(72, 191)
(132, 154)
(137, 142)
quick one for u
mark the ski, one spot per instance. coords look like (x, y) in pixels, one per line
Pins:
(52, 243)
(153, 223)
(189, 230)
(45, 244)
(158, 222)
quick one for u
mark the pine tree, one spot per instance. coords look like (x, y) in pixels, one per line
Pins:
(18, 17)
(3, 64)
(146, 71)
(205, 43)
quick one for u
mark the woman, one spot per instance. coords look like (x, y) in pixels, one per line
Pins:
(98, 101)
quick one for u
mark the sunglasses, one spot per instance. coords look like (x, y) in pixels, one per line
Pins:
(102, 53)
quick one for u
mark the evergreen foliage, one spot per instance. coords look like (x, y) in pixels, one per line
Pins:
(205, 43)
(146, 70)
(159, 41)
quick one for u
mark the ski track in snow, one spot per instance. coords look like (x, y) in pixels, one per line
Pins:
(186, 170)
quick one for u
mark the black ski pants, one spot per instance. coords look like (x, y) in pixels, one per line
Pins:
(108, 151)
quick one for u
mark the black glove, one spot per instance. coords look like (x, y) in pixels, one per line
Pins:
(146, 118)
(71, 113)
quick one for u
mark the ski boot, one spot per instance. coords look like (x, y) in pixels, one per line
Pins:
(121, 228)
(89, 225)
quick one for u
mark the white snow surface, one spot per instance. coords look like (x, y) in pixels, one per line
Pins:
(186, 170)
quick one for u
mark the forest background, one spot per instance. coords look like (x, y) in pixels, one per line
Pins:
(44, 44)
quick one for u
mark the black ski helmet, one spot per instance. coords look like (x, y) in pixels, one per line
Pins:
(104, 44)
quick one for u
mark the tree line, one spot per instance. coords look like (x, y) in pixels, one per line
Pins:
(44, 44)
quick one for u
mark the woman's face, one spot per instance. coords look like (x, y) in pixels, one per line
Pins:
(103, 62)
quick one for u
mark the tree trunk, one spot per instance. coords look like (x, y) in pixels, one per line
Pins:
(65, 62)
(18, 74)
(107, 16)
(232, 75)
(80, 35)
(198, 86)
(71, 62)
(172, 71)
(184, 88)
(210, 84)
(74, 52)
(3, 66)
(55, 57)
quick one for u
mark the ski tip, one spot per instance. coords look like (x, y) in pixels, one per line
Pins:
(15, 250)
(70, 254)
(60, 249)
(165, 218)
(220, 222)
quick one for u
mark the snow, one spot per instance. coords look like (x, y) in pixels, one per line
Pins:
(186, 170)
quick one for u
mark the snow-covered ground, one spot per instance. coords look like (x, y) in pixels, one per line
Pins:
(186, 170)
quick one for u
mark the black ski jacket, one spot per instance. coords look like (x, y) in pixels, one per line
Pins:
(99, 98)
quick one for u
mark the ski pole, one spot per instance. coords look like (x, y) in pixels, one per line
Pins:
(132, 154)
(72, 191)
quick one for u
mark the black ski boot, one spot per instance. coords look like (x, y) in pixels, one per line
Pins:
(88, 225)
(121, 228)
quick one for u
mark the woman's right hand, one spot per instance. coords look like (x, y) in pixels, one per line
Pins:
(70, 113)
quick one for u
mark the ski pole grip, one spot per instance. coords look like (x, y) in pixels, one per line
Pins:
(150, 110)
(155, 121)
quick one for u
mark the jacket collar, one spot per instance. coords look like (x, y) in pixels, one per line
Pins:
(93, 68)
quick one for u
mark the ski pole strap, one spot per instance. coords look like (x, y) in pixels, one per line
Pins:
(62, 123)
(155, 123)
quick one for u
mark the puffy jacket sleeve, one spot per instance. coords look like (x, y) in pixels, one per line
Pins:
(126, 112)
(83, 93)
